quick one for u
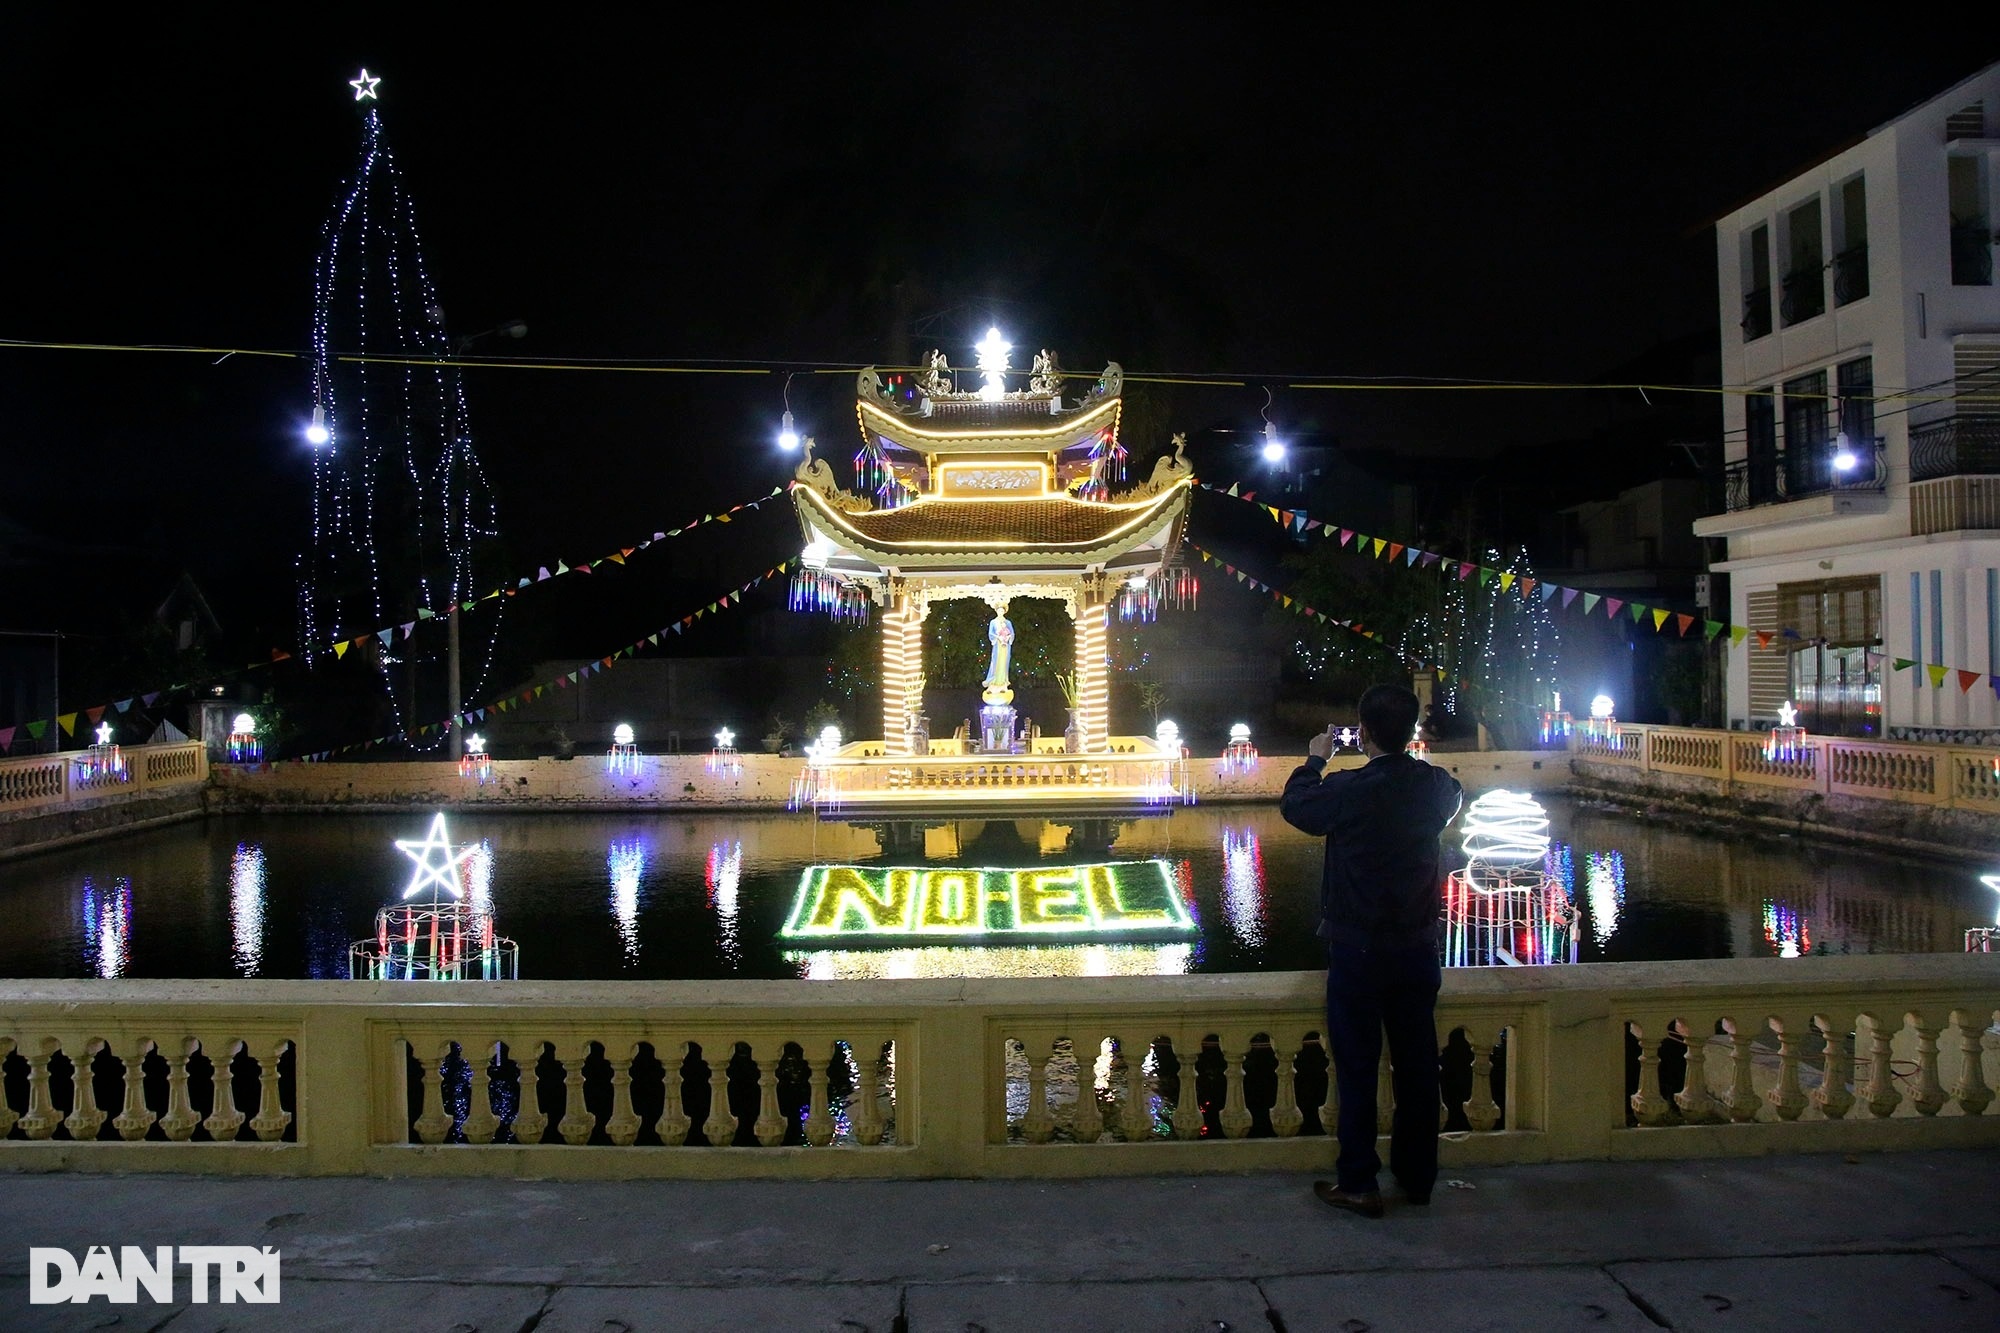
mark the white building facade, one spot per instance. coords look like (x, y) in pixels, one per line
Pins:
(1861, 357)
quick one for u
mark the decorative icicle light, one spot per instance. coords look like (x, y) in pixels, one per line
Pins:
(1505, 828)
(1239, 756)
(475, 763)
(993, 365)
(624, 755)
(788, 435)
(1844, 459)
(244, 747)
(317, 434)
(1168, 736)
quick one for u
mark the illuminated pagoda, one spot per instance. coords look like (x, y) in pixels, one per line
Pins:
(990, 494)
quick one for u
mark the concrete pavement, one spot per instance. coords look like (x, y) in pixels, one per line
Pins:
(1879, 1242)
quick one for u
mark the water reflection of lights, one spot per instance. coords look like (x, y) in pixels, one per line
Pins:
(626, 861)
(107, 927)
(724, 873)
(1786, 929)
(1604, 882)
(1055, 960)
(479, 878)
(246, 908)
(1243, 885)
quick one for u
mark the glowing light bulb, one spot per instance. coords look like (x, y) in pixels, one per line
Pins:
(622, 734)
(317, 434)
(1240, 734)
(1600, 707)
(244, 725)
(993, 364)
(1274, 448)
(1844, 459)
(788, 436)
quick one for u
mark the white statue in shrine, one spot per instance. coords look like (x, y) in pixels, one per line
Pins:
(999, 633)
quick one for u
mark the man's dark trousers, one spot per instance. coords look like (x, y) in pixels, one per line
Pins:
(1368, 991)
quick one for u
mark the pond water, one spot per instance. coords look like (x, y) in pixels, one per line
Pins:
(709, 895)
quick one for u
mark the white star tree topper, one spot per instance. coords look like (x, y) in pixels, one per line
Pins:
(364, 87)
(104, 733)
(442, 873)
(1788, 715)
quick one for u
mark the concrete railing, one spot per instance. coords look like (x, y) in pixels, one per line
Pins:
(38, 784)
(978, 1078)
(1937, 775)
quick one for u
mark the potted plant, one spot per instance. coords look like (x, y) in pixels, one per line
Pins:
(1072, 695)
(917, 723)
(775, 727)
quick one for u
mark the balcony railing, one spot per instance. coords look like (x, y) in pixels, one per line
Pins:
(1777, 477)
(1802, 295)
(1850, 275)
(1955, 447)
(1756, 314)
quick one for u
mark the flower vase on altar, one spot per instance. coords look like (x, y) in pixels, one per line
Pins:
(1073, 733)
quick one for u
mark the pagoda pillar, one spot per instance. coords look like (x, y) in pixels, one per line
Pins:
(1093, 687)
(902, 668)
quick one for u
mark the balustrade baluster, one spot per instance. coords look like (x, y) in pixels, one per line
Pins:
(720, 1127)
(41, 1119)
(84, 1119)
(1787, 1098)
(1286, 1117)
(1037, 1125)
(770, 1124)
(1928, 1096)
(1832, 1096)
(1137, 1122)
(1482, 1113)
(1970, 1091)
(1882, 1096)
(180, 1121)
(674, 1124)
(1236, 1118)
(530, 1121)
(819, 1114)
(1329, 1109)
(622, 1125)
(1698, 1105)
(434, 1122)
(135, 1119)
(1648, 1106)
(224, 1120)
(8, 1115)
(864, 1113)
(1743, 1100)
(480, 1123)
(577, 1122)
(1089, 1118)
(271, 1118)
(1187, 1104)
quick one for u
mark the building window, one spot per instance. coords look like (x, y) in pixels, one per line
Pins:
(1807, 458)
(1803, 293)
(1839, 624)
(1756, 282)
(1760, 437)
(1856, 380)
(1850, 241)
(1971, 222)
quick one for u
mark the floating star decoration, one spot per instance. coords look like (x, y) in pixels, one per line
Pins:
(725, 739)
(1788, 716)
(364, 87)
(441, 872)
(104, 733)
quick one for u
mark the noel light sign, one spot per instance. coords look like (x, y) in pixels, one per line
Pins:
(849, 903)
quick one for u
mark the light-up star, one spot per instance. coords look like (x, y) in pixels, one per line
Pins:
(475, 744)
(104, 733)
(442, 873)
(1788, 716)
(364, 87)
(724, 739)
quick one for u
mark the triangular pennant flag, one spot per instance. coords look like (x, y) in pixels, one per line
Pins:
(360, 639)
(1638, 612)
(409, 627)
(122, 705)
(1686, 622)
(1903, 664)
(1232, 488)
(1312, 523)
(35, 730)
(522, 583)
(1548, 591)
(95, 713)
(1737, 633)
(1410, 557)
(1569, 595)
(1485, 576)
(425, 613)
(561, 568)
(1346, 536)
(653, 639)
(572, 677)
(6, 738)
(541, 573)
(1250, 496)
(1464, 572)
(1506, 580)
(1378, 547)
(1590, 601)
(67, 721)
(1764, 638)
(1611, 605)
(616, 559)
(1660, 615)
(1395, 549)
(1528, 587)
(1710, 629)
(147, 699)
(1936, 674)
(1965, 680)
(1789, 632)
(340, 649)
(280, 655)
(1430, 558)
(387, 636)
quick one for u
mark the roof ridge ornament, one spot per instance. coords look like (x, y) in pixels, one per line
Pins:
(1047, 377)
(815, 473)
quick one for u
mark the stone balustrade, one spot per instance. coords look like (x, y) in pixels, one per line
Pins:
(47, 783)
(1049, 1077)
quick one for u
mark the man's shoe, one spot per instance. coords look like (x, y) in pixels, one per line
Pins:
(1368, 1203)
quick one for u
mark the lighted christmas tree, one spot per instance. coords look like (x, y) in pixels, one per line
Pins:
(1518, 652)
(399, 500)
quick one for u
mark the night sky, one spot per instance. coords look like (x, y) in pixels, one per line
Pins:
(1239, 197)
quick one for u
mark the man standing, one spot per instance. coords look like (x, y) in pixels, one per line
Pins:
(1380, 901)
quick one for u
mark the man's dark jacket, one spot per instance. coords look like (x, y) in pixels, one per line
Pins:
(1381, 822)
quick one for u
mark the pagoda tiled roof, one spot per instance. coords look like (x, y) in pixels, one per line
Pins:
(949, 525)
